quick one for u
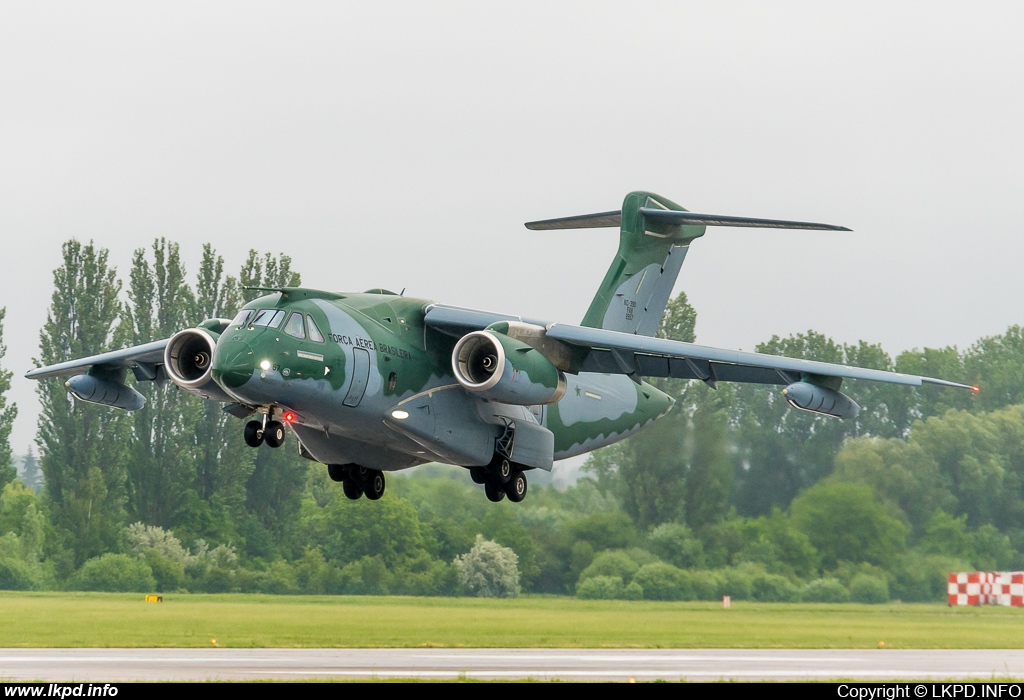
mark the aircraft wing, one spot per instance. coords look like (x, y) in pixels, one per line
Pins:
(626, 353)
(143, 360)
(612, 352)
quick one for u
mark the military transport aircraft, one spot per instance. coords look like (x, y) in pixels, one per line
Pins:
(377, 382)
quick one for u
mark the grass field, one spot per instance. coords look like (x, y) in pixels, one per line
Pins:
(182, 620)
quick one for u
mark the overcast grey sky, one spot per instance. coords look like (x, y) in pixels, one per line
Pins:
(403, 144)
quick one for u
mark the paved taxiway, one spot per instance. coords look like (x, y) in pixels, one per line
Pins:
(91, 665)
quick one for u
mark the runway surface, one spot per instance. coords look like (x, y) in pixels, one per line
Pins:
(91, 665)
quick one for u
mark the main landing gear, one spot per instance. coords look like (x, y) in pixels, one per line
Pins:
(271, 432)
(502, 477)
(357, 481)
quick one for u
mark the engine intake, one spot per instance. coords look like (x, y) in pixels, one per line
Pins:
(506, 370)
(188, 361)
(818, 399)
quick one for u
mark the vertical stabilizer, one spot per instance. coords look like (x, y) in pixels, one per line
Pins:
(638, 284)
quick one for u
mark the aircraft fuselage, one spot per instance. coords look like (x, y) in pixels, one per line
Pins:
(365, 381)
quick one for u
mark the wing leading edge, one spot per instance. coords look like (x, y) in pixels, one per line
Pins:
(143, 360)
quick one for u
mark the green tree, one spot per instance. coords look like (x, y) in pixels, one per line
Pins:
(267, 272)
(649, 472)
(708, 474)
(783, 449)
(996, 365)
(346, 531)
(274, 486)
(930, 400)
(9, 413)
(904, 471)
(223, 463)
(81, 445)
(160, 467)
(972, 464)
(488, 570)
(114, 573)
(846, 522)
(30, 472)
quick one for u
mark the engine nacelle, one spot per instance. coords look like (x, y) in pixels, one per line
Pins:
(818, 399)
(106, 392)
(188, 361)
(500, 368)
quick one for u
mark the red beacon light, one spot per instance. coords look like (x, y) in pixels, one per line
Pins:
(289, 417)
(975, 389)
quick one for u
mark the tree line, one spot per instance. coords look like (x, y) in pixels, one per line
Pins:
(733, 493)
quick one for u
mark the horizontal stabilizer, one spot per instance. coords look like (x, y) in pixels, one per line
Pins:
(606, 219)
(678, 218)
(666, 216)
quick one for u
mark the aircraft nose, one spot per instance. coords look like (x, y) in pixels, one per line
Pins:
(233, 364)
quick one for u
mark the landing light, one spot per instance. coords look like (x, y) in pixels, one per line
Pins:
(399, 415)
(265, 365)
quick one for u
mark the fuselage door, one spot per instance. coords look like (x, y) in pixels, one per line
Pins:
(360, 375)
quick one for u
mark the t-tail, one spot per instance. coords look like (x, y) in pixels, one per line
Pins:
(655, 234)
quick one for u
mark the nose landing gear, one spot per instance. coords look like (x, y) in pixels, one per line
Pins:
(270, 431)
(273, 434)
(253, 433)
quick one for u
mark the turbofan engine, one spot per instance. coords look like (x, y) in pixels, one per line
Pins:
(188, 359)
(506, 370)
(818, 399)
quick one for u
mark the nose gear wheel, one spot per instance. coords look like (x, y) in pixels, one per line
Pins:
(253, 433)
(274, 433)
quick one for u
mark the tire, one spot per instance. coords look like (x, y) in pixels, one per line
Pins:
(374, 487)
(274, 433)
(337, 472)
(515, 489)
(253, 433)
(501, 470)
(494, 493)
(352, 488)
(478, 475)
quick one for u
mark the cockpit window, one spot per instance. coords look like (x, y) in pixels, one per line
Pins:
(242, 317)
(268, 317)
(314, 333)
(294, 326)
